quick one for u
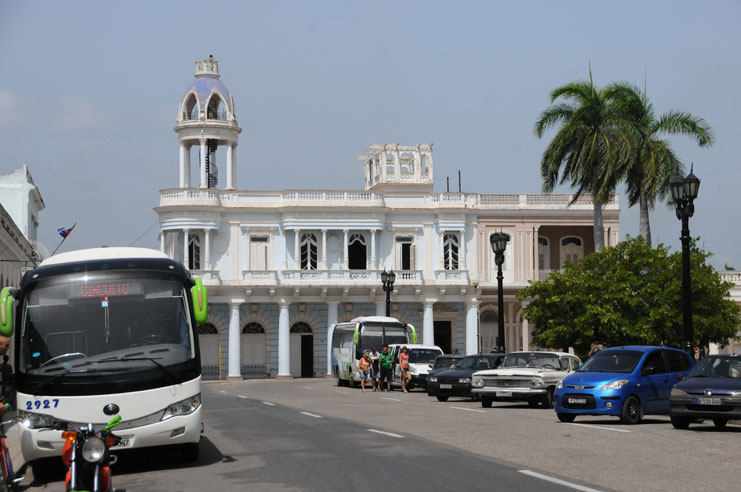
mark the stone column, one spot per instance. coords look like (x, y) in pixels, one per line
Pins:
(207, 248)
(187, 166)
(229, 167)
(428, 328)
(235, 371)
(536, 257)
(162, 241)
(525, 330)
(324, 250)
(186, 259)
(397, 166)
(472, 316)
(235, 181)
(182, 165)
(204, 176)
(284, 342)
(374, 265)
(296, 249)
(462, 251)
(332, 317)
(440, 250)
(345, 251)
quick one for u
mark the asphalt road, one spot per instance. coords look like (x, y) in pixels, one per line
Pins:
(312, 435)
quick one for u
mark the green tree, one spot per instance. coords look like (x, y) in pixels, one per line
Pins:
(589, 148)
(629, 294)
(652, 164)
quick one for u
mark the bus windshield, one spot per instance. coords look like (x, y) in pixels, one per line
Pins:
(378, 336)
(105, 321)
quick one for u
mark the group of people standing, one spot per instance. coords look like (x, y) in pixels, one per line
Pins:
(379, 368)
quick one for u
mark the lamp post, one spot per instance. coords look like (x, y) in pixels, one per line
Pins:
(684, 192)
(388, 278)
(499, 242)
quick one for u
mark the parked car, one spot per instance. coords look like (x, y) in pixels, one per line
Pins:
(456, 381)
(444, 362)
(712, 391)
(626, 382)
(524, 376)
(421, 359)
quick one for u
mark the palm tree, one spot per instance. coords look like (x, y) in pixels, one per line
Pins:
(653, 164)
(590, 147)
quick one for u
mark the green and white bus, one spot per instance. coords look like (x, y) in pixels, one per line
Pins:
(351, 339)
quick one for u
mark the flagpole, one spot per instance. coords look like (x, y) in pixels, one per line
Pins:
(63, 239)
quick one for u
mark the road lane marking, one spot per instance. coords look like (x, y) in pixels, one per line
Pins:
(392, 399)
(470, 409)
(312, 415)
(391, 434)
(223, 391)
(599, 427)
(242, 396)
(559, 482)
(268, 404)
(306, 387)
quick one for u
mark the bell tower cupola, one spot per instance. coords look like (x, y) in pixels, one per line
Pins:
(207, 120)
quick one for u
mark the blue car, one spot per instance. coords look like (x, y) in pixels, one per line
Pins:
(625, 382)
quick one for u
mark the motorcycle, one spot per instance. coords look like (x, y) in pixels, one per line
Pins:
(87, 455)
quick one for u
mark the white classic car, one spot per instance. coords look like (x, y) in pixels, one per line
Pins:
(524, 376)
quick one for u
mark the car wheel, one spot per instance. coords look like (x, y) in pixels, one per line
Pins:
(547, 400)
(632, 411)
(566, 417)
(533, 403)
(720, 423)
(442, 397)
(485, 402)
(680, 422)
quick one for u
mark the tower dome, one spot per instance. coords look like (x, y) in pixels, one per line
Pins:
(207, 120)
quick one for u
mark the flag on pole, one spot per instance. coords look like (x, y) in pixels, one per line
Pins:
(65, 232)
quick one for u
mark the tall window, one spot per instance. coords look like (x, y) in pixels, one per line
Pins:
(450, 252)
(571, 249)
(258, 253)
(194, 252)
(544, 253)
(308, 251)
(405, 253)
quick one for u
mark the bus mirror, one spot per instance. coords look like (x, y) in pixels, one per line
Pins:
(200, 300)
(356, 336)
(414, 333)
(7, 301)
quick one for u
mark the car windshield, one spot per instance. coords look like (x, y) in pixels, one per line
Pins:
(110, 321)
(420, 356)
(446, 362)
(624, 361)
(475, 362)
(530, 359)
(718, 366)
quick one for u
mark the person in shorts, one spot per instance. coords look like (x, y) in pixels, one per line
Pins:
(405, 374)
(364, 368)
(375, 371)
(385, 359)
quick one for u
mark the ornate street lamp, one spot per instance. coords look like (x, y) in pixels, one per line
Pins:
(499, 242)
(388, 278)
(684, 192)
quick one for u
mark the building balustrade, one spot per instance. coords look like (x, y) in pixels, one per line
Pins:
(452, 275)
(730, 276)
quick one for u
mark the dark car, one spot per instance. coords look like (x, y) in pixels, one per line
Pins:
(457, 381)
(712, 391)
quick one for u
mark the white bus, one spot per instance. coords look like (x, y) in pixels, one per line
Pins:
(350, 340)
(104, 332)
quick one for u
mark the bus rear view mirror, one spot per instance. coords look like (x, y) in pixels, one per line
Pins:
(7, 301)
(200, 300)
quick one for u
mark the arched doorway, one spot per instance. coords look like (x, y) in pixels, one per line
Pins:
(253, 350)
(208, 340)
(357, 252)
(488, 330)
(302, 350)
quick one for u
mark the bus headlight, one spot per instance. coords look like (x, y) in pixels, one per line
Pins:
(32, 420)
(93, 449)
(477, 383)
(183, 407)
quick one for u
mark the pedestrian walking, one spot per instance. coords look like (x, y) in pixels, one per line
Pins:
(375, 371)
(385, 359)
(364, 368)
(404, 363)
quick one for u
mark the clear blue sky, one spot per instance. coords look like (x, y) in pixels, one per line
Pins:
(89, 93)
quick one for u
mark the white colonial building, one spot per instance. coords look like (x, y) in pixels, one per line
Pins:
(282, 266)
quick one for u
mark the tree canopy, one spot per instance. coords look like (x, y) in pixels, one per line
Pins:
(630, 294)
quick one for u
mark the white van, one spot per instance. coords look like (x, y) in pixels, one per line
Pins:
(421, 360)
